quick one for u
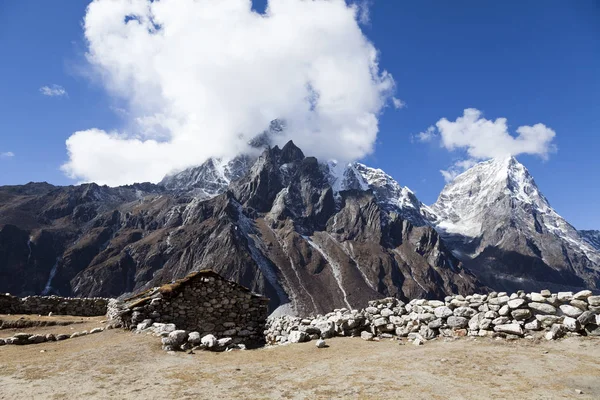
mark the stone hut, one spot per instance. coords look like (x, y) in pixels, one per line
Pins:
(202, 301)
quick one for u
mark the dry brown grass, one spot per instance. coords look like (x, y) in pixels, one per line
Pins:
(122, 365)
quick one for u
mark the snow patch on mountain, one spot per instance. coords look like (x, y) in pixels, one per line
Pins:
(388, 192)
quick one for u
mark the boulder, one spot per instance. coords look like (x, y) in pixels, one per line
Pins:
(326, 329)
(386, 312)
(443, 312)
(210, 341)
(499, 301)
(516, 303)
(538, 298)
(466, 312)
(194, 338)
(571, 324)
(594, 301)
(364, 335)
(592, 330)
(586, 317)
(37, 338)
(557, 331)
(435, 324)
(298, 337)
(581, 304)
(571, 311)
(521, 314)
(504, 310)
(534, 325)
(224, 342)
(542, 308)
(501, 321)
(457, 322)
(582, 295)
(145, 324)
(565, 296)
(512, 329)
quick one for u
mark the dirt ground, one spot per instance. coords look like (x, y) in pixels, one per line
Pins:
(121, 365)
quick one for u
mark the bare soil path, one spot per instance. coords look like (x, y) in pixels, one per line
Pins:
(120, 365)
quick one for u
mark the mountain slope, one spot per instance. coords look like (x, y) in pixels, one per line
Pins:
(499, 223)
(592, 237)
(281, 230)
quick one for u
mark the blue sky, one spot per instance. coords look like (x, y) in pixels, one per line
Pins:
(527, 61)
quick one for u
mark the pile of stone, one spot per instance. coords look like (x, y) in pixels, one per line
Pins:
(43, 305)
(21, 339)
(174, 339)
(493, 315)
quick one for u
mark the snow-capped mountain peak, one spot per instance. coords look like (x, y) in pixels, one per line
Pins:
(387, 190)
(497, 192)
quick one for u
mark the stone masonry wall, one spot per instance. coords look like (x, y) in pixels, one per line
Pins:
(207, 304)
(551, 315)
(43, 305)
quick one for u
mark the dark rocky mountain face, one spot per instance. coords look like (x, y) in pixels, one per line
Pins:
(309, 235)
(280, 230)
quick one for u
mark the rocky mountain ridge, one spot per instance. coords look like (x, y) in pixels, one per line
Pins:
(310, 235)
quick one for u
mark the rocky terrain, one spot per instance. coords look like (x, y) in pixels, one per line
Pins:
(310, 235)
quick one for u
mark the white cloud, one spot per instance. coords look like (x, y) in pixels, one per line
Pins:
(482, 139)
(53, 91)
(457, 168)
(398, 104)
(200, 78)
(426, 136)
(7, 154)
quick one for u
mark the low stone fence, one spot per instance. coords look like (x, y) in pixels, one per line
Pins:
(43, 305)
(21, 339)
(494, 315)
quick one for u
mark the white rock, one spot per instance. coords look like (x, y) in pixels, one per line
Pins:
(538, 298)
(513, 329)
(443, 312)
(534, 325)
(594, 301)
(571, 324)
(321, 344)
(224, 342)
(542, 308)
(571, 311)
(504, 310)
(208, 341)
(565, 296)
(194, 338)
(516, 303)
(582, 295)
(366, 335)
(298, 337)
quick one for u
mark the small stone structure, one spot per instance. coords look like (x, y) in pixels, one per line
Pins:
(551, 315)
(43, 305)
(203, 302)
